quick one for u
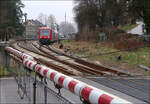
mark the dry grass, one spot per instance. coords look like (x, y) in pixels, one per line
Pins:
(126, 41)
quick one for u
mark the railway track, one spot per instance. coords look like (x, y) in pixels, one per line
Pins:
(95, 68)
(35, 49)
(77, 66)
(80, 65)
(73, 65)
(47, 63)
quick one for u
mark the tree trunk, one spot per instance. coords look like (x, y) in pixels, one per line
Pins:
(147, 15)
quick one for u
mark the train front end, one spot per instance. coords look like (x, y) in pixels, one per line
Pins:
(45, 36)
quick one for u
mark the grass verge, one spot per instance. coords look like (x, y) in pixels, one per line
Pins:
(128, 27)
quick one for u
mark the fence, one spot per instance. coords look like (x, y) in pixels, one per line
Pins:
(30, 87)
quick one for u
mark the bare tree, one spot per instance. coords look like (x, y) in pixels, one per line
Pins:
(51, 21)
(66, 28)
(41, 18)
(45, 20)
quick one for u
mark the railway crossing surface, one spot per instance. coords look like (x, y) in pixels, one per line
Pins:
(9, 94)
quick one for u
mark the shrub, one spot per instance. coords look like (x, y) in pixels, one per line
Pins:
(87, 36)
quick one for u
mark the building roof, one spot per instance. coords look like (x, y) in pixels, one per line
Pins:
(34, 23)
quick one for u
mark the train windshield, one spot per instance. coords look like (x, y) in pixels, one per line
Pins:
(44, 32)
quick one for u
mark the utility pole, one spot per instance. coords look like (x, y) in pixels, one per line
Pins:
(25, 15)
(65, 23)
(65, 18)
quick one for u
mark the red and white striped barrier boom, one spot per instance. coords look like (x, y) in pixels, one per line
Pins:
(87, 92)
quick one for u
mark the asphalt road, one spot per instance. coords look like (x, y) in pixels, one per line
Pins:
(138, 88)
(9, 94)
(120, 88)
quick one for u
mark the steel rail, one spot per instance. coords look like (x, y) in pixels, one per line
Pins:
(75, 66)
(54, 58)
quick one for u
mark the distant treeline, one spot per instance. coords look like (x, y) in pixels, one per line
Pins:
(11, 23)
(92, 14)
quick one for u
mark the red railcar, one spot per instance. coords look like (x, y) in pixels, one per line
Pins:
(47, 36)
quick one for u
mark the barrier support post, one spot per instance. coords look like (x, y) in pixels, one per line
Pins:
(58, 87)
(45, 90)
(34, 90)
(84, 101)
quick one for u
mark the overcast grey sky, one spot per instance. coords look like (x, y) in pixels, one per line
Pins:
(56, 7)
